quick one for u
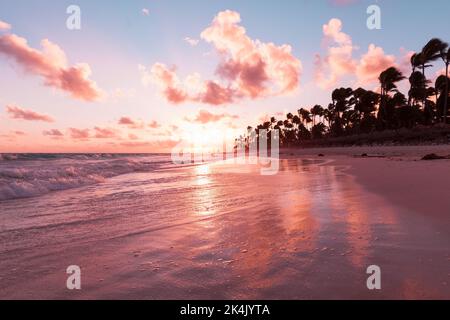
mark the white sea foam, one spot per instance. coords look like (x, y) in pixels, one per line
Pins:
(32, 175)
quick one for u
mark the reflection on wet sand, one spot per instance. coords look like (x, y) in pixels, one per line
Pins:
(224, 231)
(310, 220)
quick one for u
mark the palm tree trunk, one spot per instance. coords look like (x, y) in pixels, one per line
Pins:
(425, 97)
(446, 94)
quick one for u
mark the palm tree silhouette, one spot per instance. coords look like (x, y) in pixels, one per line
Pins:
(388, 80)
(305, 116)
(445, 56)
(316, 111)
(418, 87)
(431, 52)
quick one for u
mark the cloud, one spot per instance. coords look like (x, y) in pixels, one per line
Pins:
(105, 133)
(79, 134)
(192, 42)
(154, 125)
(53, 133)
(132, 136)
(16, 112)
(264, 117)
(126, 121)
(248, 68)
(4, 26)
(137, 124)
(145, 11)
(168, 81)
(204, 116)
(131, 123)
(13, 135)
(372, 64)
(339, 62)
(51, 64)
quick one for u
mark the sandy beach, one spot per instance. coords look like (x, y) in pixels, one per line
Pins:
(223, 231)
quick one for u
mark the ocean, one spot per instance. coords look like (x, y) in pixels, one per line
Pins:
(28, 175)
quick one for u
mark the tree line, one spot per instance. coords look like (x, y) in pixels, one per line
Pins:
(353, 112)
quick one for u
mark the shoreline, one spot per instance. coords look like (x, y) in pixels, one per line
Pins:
(395, 173)
(415, 151)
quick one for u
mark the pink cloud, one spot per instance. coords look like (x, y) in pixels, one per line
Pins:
(13, 135)
(16, 112)
(191, 42)
(105, 133)
(4, 26)
(53, 133)
(79, 134)
(264, 117)
(131, 123)
(132, 136)
(154, 125)
(215, 94)
(126, 121)
(248, 68)
(372, 64)
(204, 116)
(51, 64)
(170, 84)
(339, 62)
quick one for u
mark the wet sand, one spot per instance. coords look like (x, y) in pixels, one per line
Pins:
(222, 231)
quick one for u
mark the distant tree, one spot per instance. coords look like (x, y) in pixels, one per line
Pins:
(388, 81)
(316, 111)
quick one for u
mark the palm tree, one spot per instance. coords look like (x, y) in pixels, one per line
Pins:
(445, 56)
(318, 130)
(273, 120)
(431, 52)
(296, 121)
(388, 80)
(317, 110)
(365, 102)
(305, 116)
(441, 91)
(415, 61)
(418, 89)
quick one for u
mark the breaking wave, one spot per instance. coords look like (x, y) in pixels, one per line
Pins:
(29, 175)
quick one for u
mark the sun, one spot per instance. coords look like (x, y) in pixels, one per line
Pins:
(208, 137)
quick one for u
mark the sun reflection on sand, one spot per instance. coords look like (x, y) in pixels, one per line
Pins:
(204, 193)
(202, 175)
(303, 233)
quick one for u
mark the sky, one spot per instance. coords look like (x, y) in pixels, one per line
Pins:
(143, 75)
